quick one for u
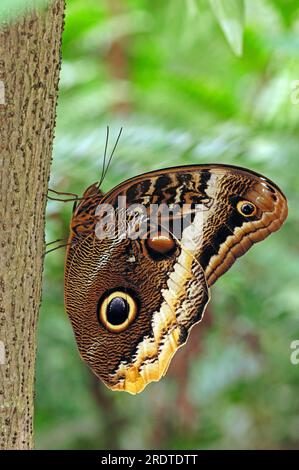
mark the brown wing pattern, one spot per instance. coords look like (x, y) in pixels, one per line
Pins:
(161, 296)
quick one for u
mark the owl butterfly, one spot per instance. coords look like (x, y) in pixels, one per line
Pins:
(133, 302)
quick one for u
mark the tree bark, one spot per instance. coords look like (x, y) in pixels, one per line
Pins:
(29, 73)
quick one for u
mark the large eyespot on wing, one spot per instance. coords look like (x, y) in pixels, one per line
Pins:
(250, 215)
(117, 310)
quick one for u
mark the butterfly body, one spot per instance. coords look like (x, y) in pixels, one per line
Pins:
(132, 302)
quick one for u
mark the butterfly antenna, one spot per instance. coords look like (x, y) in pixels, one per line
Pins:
(112, 153)
(104, 158)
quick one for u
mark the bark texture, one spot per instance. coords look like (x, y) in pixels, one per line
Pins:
(29, 73)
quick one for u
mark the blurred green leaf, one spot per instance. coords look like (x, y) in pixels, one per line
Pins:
(230, 15)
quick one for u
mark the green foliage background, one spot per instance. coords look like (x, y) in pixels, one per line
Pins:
(165, 72)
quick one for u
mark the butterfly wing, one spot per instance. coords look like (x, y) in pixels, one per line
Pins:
(133, 302)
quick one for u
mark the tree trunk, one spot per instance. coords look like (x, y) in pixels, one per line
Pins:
(29, 73)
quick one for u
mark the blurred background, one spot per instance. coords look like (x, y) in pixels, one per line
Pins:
(173, 74)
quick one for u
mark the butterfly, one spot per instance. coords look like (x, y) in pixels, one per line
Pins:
(133, 301)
